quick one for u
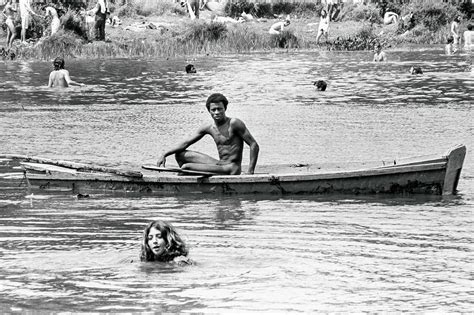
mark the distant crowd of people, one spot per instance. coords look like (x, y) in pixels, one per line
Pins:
(97, 17)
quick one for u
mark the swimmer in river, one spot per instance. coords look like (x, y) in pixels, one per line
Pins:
(162, 243)
(190, 68)
(59, 77)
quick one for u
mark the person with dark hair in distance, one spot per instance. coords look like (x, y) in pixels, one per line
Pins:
(320, 85)
(190, 68)
(59, 77)
(228, 133)
(162, 243)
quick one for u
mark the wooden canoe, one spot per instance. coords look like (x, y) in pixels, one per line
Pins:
(420, 175)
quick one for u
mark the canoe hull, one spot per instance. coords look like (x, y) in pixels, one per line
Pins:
(422, 177)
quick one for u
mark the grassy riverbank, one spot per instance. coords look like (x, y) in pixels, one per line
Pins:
(172, 33)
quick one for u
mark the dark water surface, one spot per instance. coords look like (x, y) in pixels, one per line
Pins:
(291, 254)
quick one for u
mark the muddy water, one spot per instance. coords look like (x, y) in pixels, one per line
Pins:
(342, 254)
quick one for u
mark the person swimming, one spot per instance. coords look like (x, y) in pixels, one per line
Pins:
(416, 70)
(320, 85)
(379, 55)
(190, 68)
(59, 77)
(162, 243)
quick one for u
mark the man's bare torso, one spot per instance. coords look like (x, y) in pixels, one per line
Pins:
(228, 141)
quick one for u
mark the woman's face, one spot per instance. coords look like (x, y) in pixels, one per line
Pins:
(156, 242)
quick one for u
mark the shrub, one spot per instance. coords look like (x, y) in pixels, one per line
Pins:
(205, 32)
(364, 39)
(308, 9)
(264, 10)
(283, 8)
(74, 22)
(154, 7)
(285, 39)
(65, 44)
(360, 12)
(235, 8)
(126, 10)
(433, 15)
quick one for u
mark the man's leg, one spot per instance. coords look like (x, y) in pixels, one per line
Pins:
(197, 161)
(189, 156)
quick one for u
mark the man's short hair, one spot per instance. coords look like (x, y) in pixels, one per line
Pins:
(216, 98)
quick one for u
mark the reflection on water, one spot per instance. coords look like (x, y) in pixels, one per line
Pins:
(298, 254)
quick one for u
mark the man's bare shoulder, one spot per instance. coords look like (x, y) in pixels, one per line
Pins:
(236, 122)
(205, 128)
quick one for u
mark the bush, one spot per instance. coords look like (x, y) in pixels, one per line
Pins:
(126, 10)
(74, 22)
(285, 39)
(64, 44)
(433, 15)
(154, 7)
(360, 12)
(264, 10)
(283, 8)
(308, 9)
(205, 32)
(364, 39)
(234, 9)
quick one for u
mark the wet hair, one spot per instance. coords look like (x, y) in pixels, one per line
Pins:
(320, 85)
(58, 63)
(190, 68)
(174, 247)
(450, 40)
(216, 98)
(416, 70)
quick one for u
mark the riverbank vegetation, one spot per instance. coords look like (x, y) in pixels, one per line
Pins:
(162, 29)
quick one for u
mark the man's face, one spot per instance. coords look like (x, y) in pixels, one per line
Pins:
(217, 111)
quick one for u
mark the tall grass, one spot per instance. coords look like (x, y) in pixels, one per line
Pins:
(156, 7)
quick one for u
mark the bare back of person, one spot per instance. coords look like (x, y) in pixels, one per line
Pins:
(58, 78)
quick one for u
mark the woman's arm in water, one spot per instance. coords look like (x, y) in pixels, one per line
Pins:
(70, 81)
(50, 82)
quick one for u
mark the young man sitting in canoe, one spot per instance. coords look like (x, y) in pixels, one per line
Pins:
(229, 135)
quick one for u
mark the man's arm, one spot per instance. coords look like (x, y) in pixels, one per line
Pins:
(183, 145)
(252, 143)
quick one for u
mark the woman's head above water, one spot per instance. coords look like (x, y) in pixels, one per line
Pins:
(161, 242)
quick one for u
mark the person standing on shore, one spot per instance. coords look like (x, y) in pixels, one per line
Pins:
(55, 23)
(25, 11)
(9, 13)
(455, 32)
(101, 11)
(469, 38)
(323, 28)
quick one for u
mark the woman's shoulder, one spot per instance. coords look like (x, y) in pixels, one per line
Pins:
(183, 261)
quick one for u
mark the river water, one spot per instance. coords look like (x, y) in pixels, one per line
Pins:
(269, 254)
